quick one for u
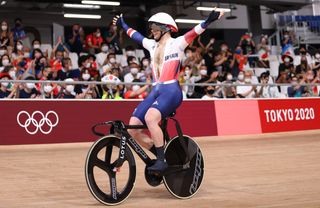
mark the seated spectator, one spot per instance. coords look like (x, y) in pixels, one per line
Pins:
(229, 91)
(3, 50)
(114, 38)
(48, 91)
(6, 37)
(111, 90)
(295, 90)
(92, 67)
(67, 71)
(129, 53)
(244, 90)
(310, 78)
(303, 66)
(84, 90)
(199, 91)
(287, 64)
(210, 93)
(76, 39)
(101, 57)
(5, 61)
(267, 91)
(316, 62)
(130, 60)
(68, 90)
(109, 63)
(18, 30)
(19, 50)
(134, 74)
(28, 90)
(36, 44)
(137, 91)
(94, 41)
(5, 91)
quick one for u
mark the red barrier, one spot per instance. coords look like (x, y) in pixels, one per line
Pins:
(55, 121)
(289, 115)
(28, 122)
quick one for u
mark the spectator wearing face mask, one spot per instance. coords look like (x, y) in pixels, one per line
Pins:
(287, 64)
(229, 91)
(303, 66)
(68, 90)
(18, 51)
(67, 71)
(5, 91)
(6, 37)
(94, 41)
(316, 62)
(239, 61)
(76, 40)
(111, 90)
(310, 78)
(129, 53)
(210, 93)
(265, 90)
(3, 50)
(263, 49)
(295, 90)
(247, 44)
(137, 91)
(36, 44)
(189, 58)
(130, 60)
(92, 67)
(86, 91)
(18, 30)
(199, 91)
(101, 57)
(134, 74)
(28, 90)
(244, 90)
(5, 61)
(109, 63)
(114, 38)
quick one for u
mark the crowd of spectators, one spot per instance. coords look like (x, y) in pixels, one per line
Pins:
(95, 57)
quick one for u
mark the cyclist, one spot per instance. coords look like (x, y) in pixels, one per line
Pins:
(166, 95)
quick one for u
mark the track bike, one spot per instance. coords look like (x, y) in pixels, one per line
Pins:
(110, 168)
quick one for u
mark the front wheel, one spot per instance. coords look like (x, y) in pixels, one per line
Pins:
(186, 182)
(109, 185)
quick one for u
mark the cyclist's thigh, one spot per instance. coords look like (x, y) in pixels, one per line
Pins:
(143, 107)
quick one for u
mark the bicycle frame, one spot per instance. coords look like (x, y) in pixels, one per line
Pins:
(118, 127)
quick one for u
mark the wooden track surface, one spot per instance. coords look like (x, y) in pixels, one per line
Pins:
(270, 170)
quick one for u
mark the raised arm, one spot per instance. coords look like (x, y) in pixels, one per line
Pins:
(133, 34)
(200, 28)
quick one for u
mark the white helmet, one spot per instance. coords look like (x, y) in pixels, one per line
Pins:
(166, 19)
(110, 79)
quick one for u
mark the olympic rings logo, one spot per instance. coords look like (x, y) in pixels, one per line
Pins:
(38, 125)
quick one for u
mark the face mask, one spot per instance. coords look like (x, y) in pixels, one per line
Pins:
(224, 49)
(5, 84)
(12, 74)
(88, 65)
(317, 55)
(37, 55)
(238, 51)
(247, 80)
(203, 72)
(98, 34)
(30, 85)
(104, 48)
(26, 55)
(130, 53)
(240, 76)
(188, 55)
(210, 92)
(310, 77)
(86, 76)
(70, 88)
(286, 36)
(287, 60)
(47, 88)
(2, 52)
(5, 62)
(135, 88)
(19, 47)
(145, 63)
(294, 83)
(36, 46)
(112, 60)
(4, 27)
(134, 70)
(187, 72)
(229, 77)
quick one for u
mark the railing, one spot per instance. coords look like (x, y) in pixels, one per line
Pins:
(220, 86)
